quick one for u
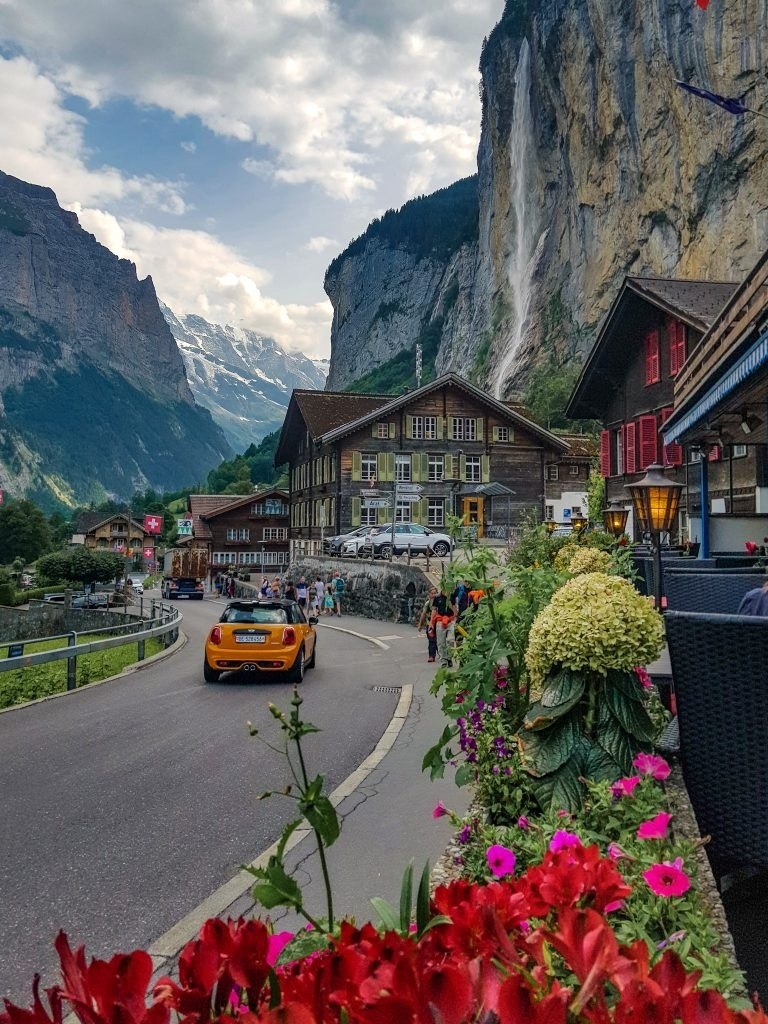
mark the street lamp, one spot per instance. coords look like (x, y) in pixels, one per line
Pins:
(578, 523)
(655, 499)
(615, 519)
(550, 525)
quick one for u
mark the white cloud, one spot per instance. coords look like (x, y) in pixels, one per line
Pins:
(319, 243)
(346, 95)
(188, 146)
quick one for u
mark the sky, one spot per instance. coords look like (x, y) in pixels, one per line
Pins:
(231, 148)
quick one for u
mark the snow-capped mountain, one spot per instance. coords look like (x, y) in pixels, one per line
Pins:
(244, 378)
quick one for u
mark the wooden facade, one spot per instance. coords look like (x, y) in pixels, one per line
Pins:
(628, 384)
(448, 438)
(566, 478)
(118, 533)
(243, 532)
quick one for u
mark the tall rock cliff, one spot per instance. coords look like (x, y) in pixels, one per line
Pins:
(593, 164)
(94, 400)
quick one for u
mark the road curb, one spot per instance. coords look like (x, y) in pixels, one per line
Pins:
(167, 947)
(176, 646)
(352, 632)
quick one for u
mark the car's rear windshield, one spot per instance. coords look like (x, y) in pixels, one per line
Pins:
(259, 615)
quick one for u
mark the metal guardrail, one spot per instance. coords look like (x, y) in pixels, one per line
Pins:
(164, 622)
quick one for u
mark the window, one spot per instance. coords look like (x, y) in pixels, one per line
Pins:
(473, 469)
(402, 467)
(618, 442)
(549, 512)
(502, 433)
(221, 558)
(436, 512)
(424, 428)
(248, 558)
(270, 507)
(403, 514)
(573, 471)
(275, 533)
(238, 533)
(739, 451)
(436, 467)
(576, 510)
(652, 371)
(382, 430)
(553, 472)
(694, 455)
(464, 429)
(368, 516)
(368, 466)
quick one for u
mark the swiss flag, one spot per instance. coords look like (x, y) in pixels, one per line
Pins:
(153, 524)
(149, 554)
(703, 4)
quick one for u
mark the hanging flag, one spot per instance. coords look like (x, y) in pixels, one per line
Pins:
(153, 524)
(184, 527)
(149, 554)
(733, 104)
(703, 4)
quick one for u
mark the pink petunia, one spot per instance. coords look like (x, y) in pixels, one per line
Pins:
(667, 879)
(655, 828)
(561, 840)
(613, 905)
(651, 764)
(625, 787)
(440, 810)
(276, 945)
(501, 861)
(523, 823)
(615, 852)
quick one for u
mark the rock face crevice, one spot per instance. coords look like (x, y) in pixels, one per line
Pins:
(628, 174)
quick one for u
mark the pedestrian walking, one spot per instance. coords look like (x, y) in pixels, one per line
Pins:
(302, 593)
(443, 617)
(231, 587)
(328, 602)
(290, 591)
(265, 590)
(318, 593)
(218, 584)
(276, 587)
(425, 621)
(338, 591)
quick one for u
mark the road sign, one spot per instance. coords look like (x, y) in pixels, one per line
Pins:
(404, 489)
(376, 503)
(408, 497)
(370, 492)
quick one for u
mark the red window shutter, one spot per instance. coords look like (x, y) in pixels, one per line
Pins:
(714, 454)
(649, 441)
(673, 453)
(605, 453)
(652, 357)
(672, 337)
(630, 436)
(681, 353)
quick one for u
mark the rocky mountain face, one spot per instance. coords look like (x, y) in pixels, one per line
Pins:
(94, 401)
(592, 165)
(245, 379)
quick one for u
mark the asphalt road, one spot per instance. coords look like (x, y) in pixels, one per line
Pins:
(123, 806)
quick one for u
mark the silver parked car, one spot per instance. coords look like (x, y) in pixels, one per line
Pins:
(333, 545)
(420, 539)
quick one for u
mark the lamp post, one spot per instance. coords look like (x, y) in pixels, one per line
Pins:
(550, 525)
(655, 499)
(615, 519)
(578, 523)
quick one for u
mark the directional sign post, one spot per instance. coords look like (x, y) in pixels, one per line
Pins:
(375, 502)
(408, 496)
(403, 489)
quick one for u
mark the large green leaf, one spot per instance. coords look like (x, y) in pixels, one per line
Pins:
(621, 746)
(277, 889)
(321, 815)
(632, 716)
(596, 762)
(626, 683)
(561, 693)
(545, 750)
(560, 789)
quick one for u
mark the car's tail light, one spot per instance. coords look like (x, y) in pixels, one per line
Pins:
(289, 636)
(215, 637)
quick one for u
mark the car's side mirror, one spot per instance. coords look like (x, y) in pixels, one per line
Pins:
(313, 620)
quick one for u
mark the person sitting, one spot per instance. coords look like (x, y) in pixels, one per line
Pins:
(755, 602)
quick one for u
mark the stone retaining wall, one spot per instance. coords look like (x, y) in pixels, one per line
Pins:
(43, 618)
(391, 592)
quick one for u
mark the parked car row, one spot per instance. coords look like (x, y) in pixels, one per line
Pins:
(378, 541)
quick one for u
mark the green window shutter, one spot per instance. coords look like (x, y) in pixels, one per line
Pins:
(416, 465)
(448, 460)
(423, 511)
(449, 423)
(462, 467)
(382, 516)
(480, 428)
(409, 426)
(485, 470)
(392, 431)
(495, 433)
(390, 465)
(375, 430)
(357, 465)
(381, 467)
(439, 425)
(355, 511)
(425, 466)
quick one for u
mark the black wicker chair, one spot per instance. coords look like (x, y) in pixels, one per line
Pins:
(671, 562)
(717, 592)
(720, 673)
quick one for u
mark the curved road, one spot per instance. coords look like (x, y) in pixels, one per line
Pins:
(123, 806)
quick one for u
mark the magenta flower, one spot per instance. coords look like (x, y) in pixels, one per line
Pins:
(561, 840)
(276, 944)
(651, 764)
(667, 879)
(523, 823)
(615, 852)
(440, 810)
(501, 861)
(643, 677)
(614, 905)
(625, 787)
(655, 828)
(563, 813)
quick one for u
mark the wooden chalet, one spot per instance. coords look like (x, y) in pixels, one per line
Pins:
(566, 478)
(119, 534)
(628, 380)
(721, 405)
(462, 451)
(241, 531)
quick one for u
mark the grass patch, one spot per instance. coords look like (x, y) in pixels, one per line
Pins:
(24, 684)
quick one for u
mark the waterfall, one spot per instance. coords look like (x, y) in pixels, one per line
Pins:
(521, 261)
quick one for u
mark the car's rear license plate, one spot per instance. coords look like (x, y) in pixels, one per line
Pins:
(253, 638)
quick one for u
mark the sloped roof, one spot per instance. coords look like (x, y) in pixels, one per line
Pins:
(582, 445)
(87, 522)
(694, 302)
(319, 412)
(202, 505)
(447, 380)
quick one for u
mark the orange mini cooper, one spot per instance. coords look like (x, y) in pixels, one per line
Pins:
(269, 636)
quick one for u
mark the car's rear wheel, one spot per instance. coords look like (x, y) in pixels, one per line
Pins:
(296, 673)
(441, 549)
(210, 675)
(313, 660)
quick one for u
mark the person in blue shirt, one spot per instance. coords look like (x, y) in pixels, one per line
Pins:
(755, 602)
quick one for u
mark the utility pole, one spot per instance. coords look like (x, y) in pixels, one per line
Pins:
(418, 364)
(394, 514)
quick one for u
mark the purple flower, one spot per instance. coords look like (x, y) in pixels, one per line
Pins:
(523, 823)
(561, 840)
(615, 852)
(440, 810)
(501, 861)
(465, 834)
